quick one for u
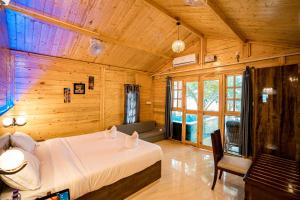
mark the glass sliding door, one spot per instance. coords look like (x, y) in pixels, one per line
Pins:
(177, 115)
(233, 92)
(210, 109)
(191, 111)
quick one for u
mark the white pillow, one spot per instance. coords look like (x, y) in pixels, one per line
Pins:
(28, 178)
(4, 142)
(23, 141)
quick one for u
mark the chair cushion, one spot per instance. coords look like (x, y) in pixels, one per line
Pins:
(236, 164)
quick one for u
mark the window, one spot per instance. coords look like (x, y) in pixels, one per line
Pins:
(132, 100)
(177, 94)
(233, 93)
(232, 114)
(211, 95)
(192, 95)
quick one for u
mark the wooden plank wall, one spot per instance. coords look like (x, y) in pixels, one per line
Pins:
(39, 95)
(5, 75)
(298, 119)
(276, 127)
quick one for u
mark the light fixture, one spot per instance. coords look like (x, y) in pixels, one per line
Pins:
(21, 120)
(96, 47)
(4, 2)
(178, 45)
(12, 161)
(7, 121)
(14, 121)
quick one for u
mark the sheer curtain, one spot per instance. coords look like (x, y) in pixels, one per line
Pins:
(132, 103)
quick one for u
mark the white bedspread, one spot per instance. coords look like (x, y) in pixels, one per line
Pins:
(86, 163)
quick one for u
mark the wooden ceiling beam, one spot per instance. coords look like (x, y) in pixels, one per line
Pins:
(162, 10)
(81, 30)
(212, 5)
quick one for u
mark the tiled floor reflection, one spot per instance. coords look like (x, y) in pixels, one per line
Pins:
(187, 173)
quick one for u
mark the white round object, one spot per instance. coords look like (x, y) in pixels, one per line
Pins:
(7, 121)
(5, 2)
(11, 159)
(21, 120)
(178, 46)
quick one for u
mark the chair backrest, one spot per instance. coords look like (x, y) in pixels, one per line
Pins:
(233, 132)
(217, 146)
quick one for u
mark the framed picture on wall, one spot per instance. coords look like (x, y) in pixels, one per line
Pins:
(67, 95)
(79, 88)
(91, 82)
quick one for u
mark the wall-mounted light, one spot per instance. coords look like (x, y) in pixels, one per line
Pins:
(12, 161)
(14, 121)
(237, 56)
(266, 93)
(4, 2)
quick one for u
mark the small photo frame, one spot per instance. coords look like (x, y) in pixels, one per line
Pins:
(79, 88)
(91, 82)
(67, 95)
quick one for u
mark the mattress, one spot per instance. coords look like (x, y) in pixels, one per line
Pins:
(88, 162)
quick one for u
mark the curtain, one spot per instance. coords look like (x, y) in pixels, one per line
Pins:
(168, 109)
(246, 114)
(132, 103)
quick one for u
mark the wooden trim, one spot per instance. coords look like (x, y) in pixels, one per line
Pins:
(84, 31)
(102, 97)
(225, 67)
(153, 4)
(274, 43)
(220, 14)
(203, 52)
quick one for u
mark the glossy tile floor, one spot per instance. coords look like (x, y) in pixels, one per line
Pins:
(187, 173)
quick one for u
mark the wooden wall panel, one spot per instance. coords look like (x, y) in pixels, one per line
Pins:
(6, 71)
(298, 119)
(276, 119)
(39, 95)
(159, 92)
(145, 82)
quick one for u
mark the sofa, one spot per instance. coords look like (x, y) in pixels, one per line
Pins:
(147, 130)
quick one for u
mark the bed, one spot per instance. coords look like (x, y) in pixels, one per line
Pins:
(94, 166)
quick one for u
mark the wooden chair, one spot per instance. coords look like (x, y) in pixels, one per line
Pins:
(231, 164)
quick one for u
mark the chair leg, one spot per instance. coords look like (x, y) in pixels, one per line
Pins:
(221, 172)
(215, 179)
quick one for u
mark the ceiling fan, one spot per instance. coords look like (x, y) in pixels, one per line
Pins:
(195, 3)
(96, 47)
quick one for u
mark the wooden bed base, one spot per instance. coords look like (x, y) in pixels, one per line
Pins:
(126, 186)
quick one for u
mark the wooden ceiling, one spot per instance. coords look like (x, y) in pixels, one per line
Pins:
(145, 27)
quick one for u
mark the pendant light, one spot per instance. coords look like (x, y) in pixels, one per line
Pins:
(4, 2)
(178, 45)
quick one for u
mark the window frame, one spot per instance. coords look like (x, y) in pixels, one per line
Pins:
(176, 98)
(234, 99)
